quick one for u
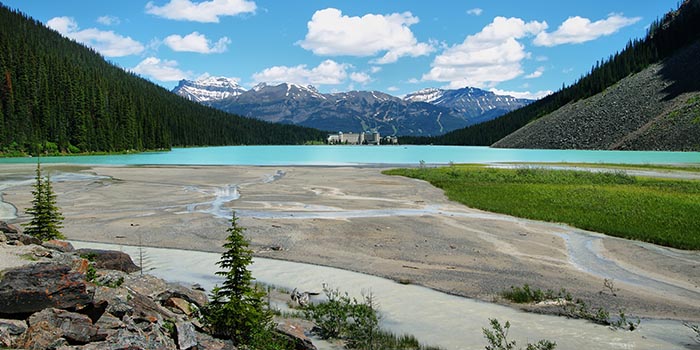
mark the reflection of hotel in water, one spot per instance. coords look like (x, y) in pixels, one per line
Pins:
(369, 138)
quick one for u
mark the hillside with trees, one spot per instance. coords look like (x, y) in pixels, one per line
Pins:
(59, 96)
(676, 31)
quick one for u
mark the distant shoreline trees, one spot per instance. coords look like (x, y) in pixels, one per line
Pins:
(59, 96)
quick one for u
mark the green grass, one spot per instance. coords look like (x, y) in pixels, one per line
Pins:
(695, 168)
(654, 210)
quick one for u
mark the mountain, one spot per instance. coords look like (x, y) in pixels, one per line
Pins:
(59, 96)
(481, 105)
(655, 109)
(665, 44)
(359, 110)
(208, 89)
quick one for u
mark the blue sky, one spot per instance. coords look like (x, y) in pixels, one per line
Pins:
(523, 48)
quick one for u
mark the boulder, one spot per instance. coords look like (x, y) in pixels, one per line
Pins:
(186, 335)
(108, 325)
(179, 305)
(5, 339)
(61, 246)
(207, 342)
(13, 327)
(177, 291)
(146, 308)
(3, 238)
(21, 239)
(295, 334)
(32, 288)
(42, 336)
(74, 327)
(8, 228)
(109, 259)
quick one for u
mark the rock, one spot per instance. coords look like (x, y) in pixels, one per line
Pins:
(61, 246)
(42, 336)
(110, 278)
(22, 238)
(146, 308)
(125, 339)
(296, 335)
(3, 238)
(32, 288)
(180, 304)
(177, 291)
(8, 228)
(94, 310)
(109, 259)
(116, 300)
(186, 335)
(13, 327)
(207, 342)
(74, 327)
(5, 339)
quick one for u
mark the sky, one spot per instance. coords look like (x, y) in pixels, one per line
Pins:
(520, 48)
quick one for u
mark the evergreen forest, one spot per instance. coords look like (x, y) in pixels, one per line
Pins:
(665, 36)
(58, 96)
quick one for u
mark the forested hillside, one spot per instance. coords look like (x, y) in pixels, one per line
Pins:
(674, 31)
(58, 95)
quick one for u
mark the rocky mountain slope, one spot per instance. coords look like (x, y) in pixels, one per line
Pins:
(655, 109)
(482, 105)
(427, 112)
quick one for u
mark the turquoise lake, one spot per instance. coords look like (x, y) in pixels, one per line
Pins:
(366, 155)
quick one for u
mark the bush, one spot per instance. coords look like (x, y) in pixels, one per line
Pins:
(497, 338)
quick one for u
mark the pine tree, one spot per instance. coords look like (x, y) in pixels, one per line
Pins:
(46, 216)
(237, 309)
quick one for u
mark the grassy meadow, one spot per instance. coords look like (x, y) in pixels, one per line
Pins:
(661, 211)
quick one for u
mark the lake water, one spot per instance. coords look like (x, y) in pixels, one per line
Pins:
(359, 155)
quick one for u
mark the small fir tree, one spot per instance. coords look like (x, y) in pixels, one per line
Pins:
(46, 216)
(237, 309)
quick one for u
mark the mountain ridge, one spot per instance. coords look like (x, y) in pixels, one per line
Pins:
(291, 103)
(677, 30)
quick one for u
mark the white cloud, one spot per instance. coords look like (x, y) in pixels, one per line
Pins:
(195, 42)
(523, 94)
(204, 11)
(536, 74)
(327, 72)
(392, 88)
(162, 70)
(577, 30)
(358, 77)
(375, 69)
(107, 43)
(332, 33)
(108, 20)
(486, 58)
(475, 11)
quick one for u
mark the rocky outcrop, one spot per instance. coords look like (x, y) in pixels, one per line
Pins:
(109, 259)
(49, 304)
(49, 326)
(32, 288)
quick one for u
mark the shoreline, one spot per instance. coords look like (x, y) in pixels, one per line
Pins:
(488, 255)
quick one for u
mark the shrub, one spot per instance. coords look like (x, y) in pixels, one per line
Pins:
(497, 338)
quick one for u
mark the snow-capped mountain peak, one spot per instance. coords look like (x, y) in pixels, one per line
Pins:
(208, 89)
(425, 95)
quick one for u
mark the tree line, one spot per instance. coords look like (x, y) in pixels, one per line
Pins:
(676, 30)
(59, 96)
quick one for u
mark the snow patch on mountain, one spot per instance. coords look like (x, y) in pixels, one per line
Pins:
(209, 89)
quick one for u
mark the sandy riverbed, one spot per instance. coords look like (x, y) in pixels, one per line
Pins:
(358, 219)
